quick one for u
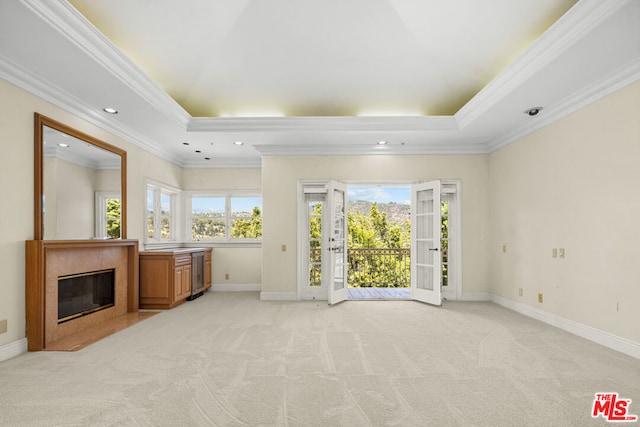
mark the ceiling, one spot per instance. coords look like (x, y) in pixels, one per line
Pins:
(308, 77)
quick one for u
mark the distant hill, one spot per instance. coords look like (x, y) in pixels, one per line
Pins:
(395, 212)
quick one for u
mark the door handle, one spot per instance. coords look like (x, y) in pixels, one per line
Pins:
(434, 249)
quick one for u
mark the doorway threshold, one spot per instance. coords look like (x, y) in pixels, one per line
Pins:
(379, 293)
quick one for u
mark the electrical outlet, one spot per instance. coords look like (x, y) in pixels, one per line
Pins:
(561, 253)
(226, 276)
(519, 292)
(283, 248)
(540, 297)
(3, 326)
(554, 253)
(504, 248)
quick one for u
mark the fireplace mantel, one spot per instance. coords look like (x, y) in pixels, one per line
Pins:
(49, 259)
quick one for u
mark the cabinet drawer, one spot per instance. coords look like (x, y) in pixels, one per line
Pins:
(182, 260)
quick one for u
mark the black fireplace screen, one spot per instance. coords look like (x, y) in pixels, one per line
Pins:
(85, 293)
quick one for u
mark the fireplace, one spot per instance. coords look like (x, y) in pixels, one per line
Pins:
(57, 315)
(85, 293)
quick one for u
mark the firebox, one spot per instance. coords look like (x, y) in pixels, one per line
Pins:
(85, 293)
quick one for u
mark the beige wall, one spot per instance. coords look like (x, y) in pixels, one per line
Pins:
(573, 185)
(74, 202)
(280, 176)
(16, 174)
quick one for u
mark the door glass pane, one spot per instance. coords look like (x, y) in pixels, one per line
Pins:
(314, 209)
(338, 239)
(424, 226)
(444, 244)
(429, 276)
(424, 202)
(421, 277)
(338, 274)
(422, 251)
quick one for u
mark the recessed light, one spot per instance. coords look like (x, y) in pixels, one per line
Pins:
(382, 142)
(533, 111)
(63, 145)
(110, 110)
(239, 143)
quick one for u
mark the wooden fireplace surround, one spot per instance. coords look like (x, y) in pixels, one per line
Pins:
(48, 259)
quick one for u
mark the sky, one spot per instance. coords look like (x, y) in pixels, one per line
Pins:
(400, 195)
(216, 204)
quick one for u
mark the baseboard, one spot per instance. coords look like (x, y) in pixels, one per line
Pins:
(606, 339)
(278, 296)
(236, 287)
(476, 296)
(13, 349)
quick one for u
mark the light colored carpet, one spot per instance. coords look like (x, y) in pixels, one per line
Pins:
(227, 359)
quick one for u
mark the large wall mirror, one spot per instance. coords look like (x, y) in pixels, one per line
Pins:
(80, 185)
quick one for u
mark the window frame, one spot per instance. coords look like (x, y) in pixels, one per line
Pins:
(159, 189)
(227, 195)
(101, 220)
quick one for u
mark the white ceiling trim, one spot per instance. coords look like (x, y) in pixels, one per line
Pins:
(620, 78)
(62, 154)
(360, 150)
(36, 85)
(569, 29)
(226, 162)
(65, 19)
(327, 124)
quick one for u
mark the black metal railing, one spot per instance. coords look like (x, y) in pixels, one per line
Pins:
(369, 267)
(379, 267)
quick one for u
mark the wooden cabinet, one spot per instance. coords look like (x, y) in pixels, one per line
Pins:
(207, 270)
(166, 276)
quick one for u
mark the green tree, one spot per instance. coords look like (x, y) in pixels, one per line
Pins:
(375, 231)
(113, 218)
(248, 228)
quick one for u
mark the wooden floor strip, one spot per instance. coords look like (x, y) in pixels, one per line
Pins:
(91, 335)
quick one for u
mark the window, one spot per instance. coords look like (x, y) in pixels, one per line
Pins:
(225, 217)
(108, 215)
(160, 216)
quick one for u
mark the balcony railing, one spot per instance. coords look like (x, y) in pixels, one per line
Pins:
(379, 267)
(370, 267)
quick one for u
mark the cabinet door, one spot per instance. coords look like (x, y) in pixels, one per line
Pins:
(177, 283)
(186, 281)
(207, 272)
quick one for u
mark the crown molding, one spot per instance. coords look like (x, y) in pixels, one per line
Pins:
(360, 150)
(569, 29)
(620, 78)
(322, 123)
(37, 86)
(69, 156)
(65, 19)
(224, 163)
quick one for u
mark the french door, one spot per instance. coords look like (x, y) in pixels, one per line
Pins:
(336, 246)
(426, 270)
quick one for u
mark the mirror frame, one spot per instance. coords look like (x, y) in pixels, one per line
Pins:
(39, 122)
